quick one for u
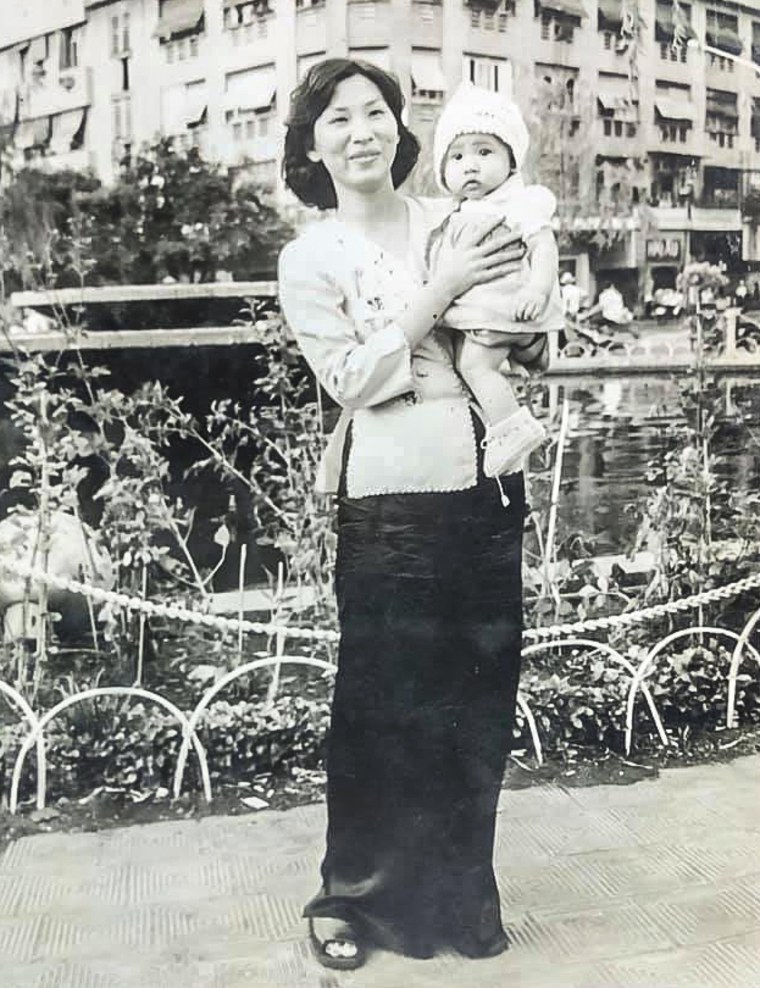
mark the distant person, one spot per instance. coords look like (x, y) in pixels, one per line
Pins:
(479, 148)
(572, 296)
(740, 293)
(612, 306)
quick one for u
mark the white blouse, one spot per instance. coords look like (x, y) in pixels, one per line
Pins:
(341, 294)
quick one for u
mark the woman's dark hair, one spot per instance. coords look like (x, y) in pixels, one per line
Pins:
(310, 180)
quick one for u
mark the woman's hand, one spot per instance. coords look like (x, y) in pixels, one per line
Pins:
(476, 256)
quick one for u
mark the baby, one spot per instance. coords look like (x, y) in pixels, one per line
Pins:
(479, 147)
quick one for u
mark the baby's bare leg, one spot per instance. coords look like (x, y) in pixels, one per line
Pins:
(479, 366)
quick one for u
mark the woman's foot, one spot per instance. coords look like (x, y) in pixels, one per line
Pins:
(336, 944)
(472, 948)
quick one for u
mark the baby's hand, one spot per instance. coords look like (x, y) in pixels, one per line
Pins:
(529, 304)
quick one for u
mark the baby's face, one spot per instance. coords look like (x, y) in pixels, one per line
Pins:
(476, 164)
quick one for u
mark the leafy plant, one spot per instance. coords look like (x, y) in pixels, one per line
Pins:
(168, 215)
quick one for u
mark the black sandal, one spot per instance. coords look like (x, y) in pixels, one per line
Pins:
(346, 934)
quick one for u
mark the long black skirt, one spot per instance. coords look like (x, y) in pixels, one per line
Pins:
(430, 603)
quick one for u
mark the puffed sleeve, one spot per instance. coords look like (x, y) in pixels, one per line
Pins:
(534, 210)
(356, 373)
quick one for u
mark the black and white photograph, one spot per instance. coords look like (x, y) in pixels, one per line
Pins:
(379, 493)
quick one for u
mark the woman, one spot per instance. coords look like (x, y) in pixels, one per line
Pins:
(428, 567)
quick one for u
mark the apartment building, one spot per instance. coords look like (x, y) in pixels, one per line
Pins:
(84, 82)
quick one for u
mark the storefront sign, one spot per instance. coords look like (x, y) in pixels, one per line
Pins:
(664, 249)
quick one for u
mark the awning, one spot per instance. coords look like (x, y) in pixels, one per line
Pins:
(251, 89)
(427, 73)
(622, 108)
(725, 39)
(196, 104)
(673, 108)
(38, 50)
(32, 133)
(567, 8)
(65, 128)
(723, 104)
(173, 110)
(664, 26)
(179, 17)
(610, 15)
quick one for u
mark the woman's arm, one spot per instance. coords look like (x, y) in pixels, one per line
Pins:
(356, 374)
(360, 373)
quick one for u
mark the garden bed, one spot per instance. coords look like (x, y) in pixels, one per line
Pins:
(102, 809)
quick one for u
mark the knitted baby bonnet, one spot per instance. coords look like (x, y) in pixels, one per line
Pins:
(472, 110)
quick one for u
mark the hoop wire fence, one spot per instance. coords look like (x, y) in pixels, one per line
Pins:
(555, 636)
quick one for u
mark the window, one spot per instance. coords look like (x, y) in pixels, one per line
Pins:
(617, 106)
(673, 112)
(722, 31)
(756, 42)
(721, 118)
(69, 48)
(428, 80)
(244, 14)
(125, 75)
(488, 73)
(721, 64)
(754, 122)
(670, 53)
(492, 18)
(664, 26)
(121, 112)
(674, 132)
(554, 28)
(180, 49)
(120, 33)
(38, 54)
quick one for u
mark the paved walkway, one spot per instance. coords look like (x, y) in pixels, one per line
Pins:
(654, 885)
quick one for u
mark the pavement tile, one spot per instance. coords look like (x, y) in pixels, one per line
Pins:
(708, 914)
(722, 854)
(610, 797)
(737, 800)
(648, 868)
(719, 965)
(536, 801)
(580, 935)
(600, 830)
(662, 824)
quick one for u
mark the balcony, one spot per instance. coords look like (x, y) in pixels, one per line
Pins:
(703, 218)
(257, 32)
(712, 216)
(56, 91)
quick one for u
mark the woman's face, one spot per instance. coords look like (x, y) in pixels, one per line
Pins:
(356, 137)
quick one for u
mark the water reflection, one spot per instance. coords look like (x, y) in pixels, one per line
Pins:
(617, 426)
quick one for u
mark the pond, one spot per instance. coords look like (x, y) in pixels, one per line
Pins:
(618, 425)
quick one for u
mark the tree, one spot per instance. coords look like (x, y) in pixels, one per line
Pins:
(590, 189)
(168, 214)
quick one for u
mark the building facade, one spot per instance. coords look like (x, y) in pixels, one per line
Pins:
(84, 82)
